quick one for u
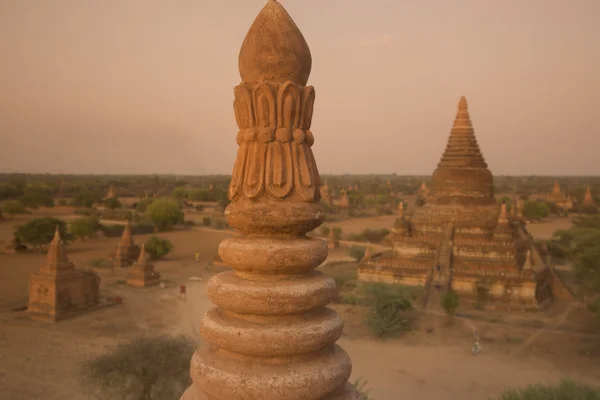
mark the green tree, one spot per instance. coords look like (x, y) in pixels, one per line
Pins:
(164, 213)
(158, 247)
(112, 203)
(84, 227)
(37, 196)
(13, 207)
(200, 195)
(179, 193)
(144, 369)
(40, 231)
(357, 252)
(450, 302)
(582, 247)
(142, 205)
(535, 210)
(388, 304)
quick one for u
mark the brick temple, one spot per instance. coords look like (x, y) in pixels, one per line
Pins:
(461, 238)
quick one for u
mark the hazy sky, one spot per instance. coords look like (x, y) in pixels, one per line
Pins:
(146, 86)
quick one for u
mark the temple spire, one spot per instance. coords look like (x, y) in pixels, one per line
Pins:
(142, 259)
(462, 149)
(588, 200)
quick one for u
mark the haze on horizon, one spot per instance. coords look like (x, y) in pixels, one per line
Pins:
(146, 86)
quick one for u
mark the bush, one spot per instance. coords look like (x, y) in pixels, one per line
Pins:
(142, 205)
(84, 227)
(361, 387)
(147, 368)
(164, 213)
(450, 302)
(388, 305)
(13, 207)
(200, 195)
(206, 221)
(87, 212)
(567, 390)
(112, 203)
(535, 210)
(40, 231)
(357, 252)
(337, 233)
(34, 197)
(199, 207)
(325, 231)
(158, 247)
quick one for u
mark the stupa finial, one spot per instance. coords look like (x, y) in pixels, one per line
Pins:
(274, 49)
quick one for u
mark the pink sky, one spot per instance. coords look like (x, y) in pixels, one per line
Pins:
(146, 86)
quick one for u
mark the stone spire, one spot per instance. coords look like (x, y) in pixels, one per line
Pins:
(556, 190)
(142, 273)
(271, 336)
(588, 200)
(423, 190)
(462, 158)
(56, 259)
(143, 258)
(345, 201)
(111, 192)
(401, 210)
(503, 229)
(127, 236)
(324, 190)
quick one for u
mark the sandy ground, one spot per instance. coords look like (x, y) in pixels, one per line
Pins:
(42, 360)
(544, 230)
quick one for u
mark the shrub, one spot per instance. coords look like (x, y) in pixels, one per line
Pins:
(40, 231)
(337, 233)
(567, 390)
(145, 368)
(206, 221)
(357, 252)
(13, 207)
(535, 210)
(158, 247)
(325, 231)
(199, 207)
(200, 195)
(164, 213)
(142, 205)
(388, 305)
(450, 302)
(119, 215)
(84, 227)
(112, 203)
(361, 387)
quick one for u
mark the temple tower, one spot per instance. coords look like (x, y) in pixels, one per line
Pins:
(271, 336)
(59, 290)
(462, 176)
(344, 201)
(127, 251)
(111, 193)
(423, 191)
(588, 200)
(325, 195)
(142, 274)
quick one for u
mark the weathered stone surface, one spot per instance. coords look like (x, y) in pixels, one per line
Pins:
(59, 290)
(142, 274)
(271, 336)
(127, 251)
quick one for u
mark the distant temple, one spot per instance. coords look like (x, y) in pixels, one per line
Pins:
(588, 200)
(127, 251)
(460, 239)
(325, 195)
(59, 290)
(558, 197)
(142, 274)
(423, 191)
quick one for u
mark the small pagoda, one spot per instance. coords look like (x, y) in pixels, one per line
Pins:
(127, 251)
(142, 274)
(423, 191)
(588, 200)
(59, 290)
(460, 238)
(558, 197)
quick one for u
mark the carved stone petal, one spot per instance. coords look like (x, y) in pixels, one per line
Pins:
(279, 173)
